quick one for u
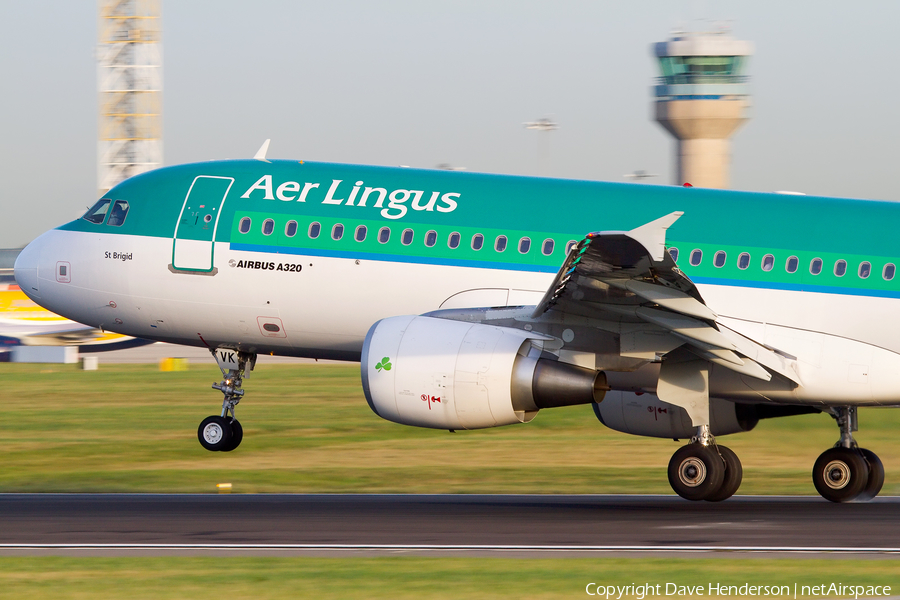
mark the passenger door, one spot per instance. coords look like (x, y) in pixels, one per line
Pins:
(193, 245)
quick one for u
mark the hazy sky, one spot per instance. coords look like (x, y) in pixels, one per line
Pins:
(421, 82)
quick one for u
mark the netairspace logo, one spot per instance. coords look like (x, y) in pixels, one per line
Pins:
(746, 590)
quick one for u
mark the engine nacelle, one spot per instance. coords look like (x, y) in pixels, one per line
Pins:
(446, 374)
(647, 415)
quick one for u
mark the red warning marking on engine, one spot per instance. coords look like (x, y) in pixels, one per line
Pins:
(656, 410)
(430, 399)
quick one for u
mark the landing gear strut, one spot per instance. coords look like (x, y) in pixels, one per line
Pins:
(703, 470)
(223, 433)
(847, 472)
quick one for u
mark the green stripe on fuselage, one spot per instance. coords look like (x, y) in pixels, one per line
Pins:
(779, 278)
(463, 254)
(736, 222)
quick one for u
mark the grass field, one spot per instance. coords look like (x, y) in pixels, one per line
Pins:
(412, 578)
(132, 428)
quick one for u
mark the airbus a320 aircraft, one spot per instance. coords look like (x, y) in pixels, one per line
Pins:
(475, 300)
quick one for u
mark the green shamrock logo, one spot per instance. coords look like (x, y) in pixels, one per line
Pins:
(384, 364)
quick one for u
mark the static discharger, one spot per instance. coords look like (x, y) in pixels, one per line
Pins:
(224, 488)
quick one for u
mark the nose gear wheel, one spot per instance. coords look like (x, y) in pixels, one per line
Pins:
(214, 433)
(223, 432)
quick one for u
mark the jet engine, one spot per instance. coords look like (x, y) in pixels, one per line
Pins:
(446, 374)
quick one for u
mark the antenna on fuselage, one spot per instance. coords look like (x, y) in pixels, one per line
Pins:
(261, 153)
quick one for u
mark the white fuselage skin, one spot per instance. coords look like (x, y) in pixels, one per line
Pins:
(845, 352)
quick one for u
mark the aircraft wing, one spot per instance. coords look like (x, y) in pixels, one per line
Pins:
(629, 279)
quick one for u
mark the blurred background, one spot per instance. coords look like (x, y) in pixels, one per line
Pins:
(451, 83)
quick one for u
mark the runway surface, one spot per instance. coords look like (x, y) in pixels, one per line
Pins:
(317, 524)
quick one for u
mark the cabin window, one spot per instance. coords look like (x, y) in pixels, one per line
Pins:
(268, 227)
(791, 265)
(244, 226)
(865, 269)
(569, 246)
(768, 262)
(840, 268)
(673, 252)
(337, 232)
(431, 238)
(743, 260)
(119, 211)
(719, 259)
(384, 235)
(360, 234)
(477, 241)
(888, 272)
(97, 212)
(524, 245)
(290, 230)
(547, 247)
(406, 238)
(696, 257)
(815, 266)
(500, 243)
(314, 230)
(453, 240)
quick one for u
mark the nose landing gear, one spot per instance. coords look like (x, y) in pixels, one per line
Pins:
(223, 433)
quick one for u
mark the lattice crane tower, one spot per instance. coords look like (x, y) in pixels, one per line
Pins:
(129, 76)
(701, 99)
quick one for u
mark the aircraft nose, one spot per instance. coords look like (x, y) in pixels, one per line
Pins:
(26, 269)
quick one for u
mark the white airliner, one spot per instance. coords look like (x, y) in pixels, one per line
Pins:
(478, 300)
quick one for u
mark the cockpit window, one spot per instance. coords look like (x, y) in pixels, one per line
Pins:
(118, 213)
(97, 212)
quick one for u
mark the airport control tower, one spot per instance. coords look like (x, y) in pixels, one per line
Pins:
(701, 99)
(129, 74)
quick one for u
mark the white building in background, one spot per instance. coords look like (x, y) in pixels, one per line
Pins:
(129, 74)
(701, 99)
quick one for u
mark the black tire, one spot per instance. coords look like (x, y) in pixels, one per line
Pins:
(876, 476)
(696, 472)
(214, 433)
(840, 474)
(237, 434)
(734, 474)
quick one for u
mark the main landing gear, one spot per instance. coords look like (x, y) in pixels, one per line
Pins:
(703, 470)
(847, 472)
(223, 433)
